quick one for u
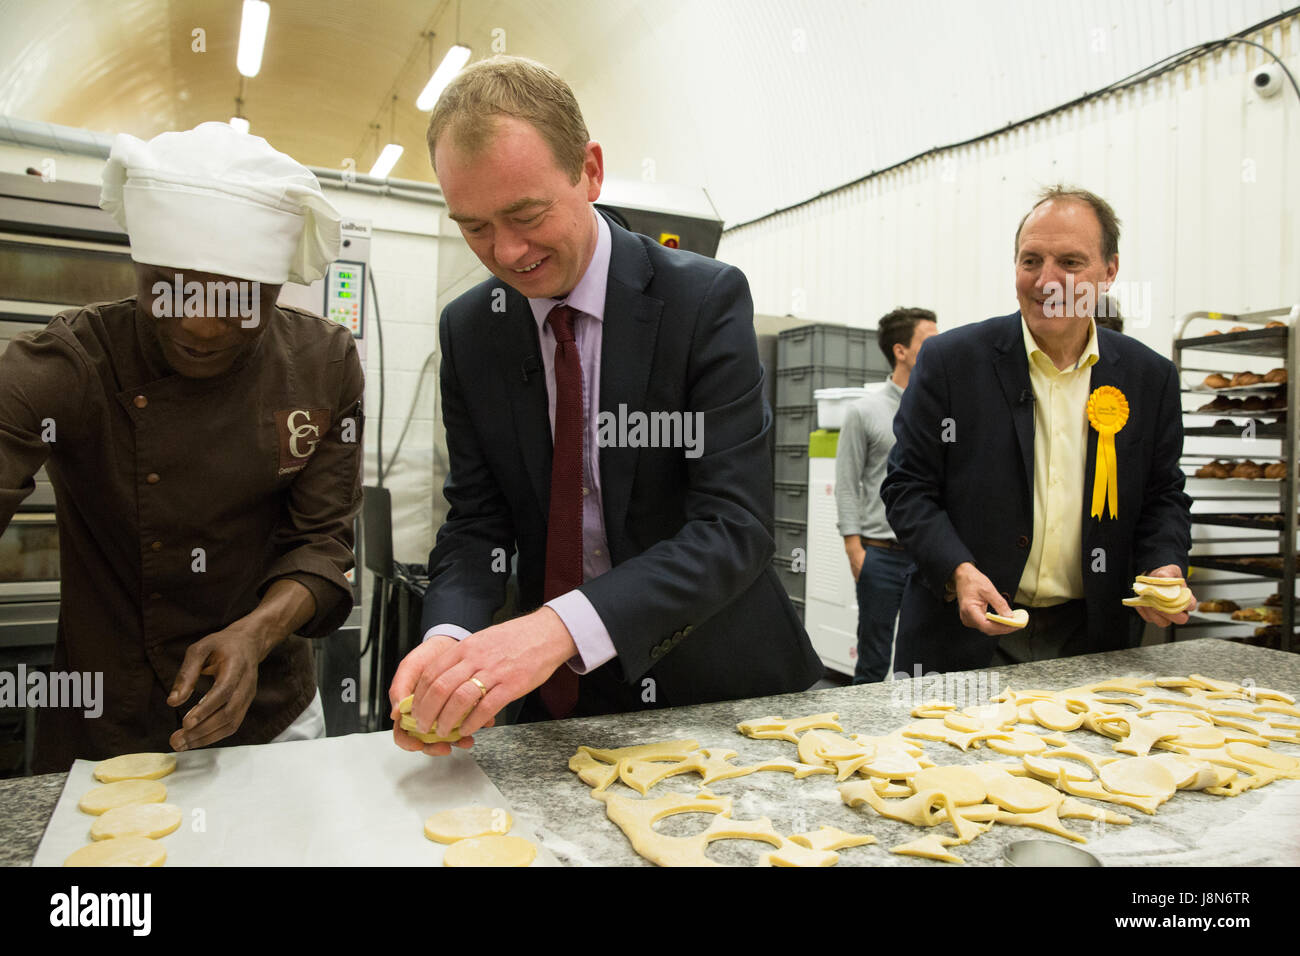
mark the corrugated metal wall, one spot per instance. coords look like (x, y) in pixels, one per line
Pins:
(1193, 162)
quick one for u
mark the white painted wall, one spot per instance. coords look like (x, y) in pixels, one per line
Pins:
(1200, 170)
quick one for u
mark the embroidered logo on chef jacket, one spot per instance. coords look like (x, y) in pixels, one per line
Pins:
(300, 431)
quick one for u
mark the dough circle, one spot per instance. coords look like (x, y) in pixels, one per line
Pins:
(1139, 777)
(463, 823)
(134, 767)
(490, 851)
(121, 793)
(124, 851)
(150, 820)
(409, 725)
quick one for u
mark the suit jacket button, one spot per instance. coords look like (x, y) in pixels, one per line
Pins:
(1022, 541)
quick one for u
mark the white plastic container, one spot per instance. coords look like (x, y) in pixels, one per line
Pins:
(832, 403)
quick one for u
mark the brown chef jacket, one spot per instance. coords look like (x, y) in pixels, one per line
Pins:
(258, 466)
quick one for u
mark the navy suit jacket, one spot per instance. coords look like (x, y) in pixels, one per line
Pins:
(691, 599)
(971, 498)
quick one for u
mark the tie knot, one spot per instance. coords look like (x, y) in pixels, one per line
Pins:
(560, 320)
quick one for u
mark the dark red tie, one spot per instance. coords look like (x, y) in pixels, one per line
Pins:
(564, 527)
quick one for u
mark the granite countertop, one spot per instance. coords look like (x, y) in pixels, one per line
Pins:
(529, 764)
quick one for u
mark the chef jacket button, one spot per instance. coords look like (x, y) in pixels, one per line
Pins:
(157, 545)
(1022, 541)
(140, 401)
(152, 478)
(586, 491)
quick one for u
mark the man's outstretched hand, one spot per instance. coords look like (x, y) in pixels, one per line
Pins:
(508, 659)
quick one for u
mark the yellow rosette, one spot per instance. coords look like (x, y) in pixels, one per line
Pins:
(1107, 413)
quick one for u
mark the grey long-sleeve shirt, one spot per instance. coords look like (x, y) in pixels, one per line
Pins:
(863, 452)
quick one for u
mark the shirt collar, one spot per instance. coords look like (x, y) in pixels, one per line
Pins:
(588, 296)
(1089, 357)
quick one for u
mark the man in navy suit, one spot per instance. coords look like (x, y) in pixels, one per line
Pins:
(605, 418)
(991, 482)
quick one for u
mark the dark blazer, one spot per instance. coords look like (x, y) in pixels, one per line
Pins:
(691, 599)
(970, 498)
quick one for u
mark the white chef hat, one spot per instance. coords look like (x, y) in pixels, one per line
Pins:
(216, 200)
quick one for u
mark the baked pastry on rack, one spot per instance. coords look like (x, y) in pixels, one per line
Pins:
(1215, 380)
(1247, 469)
(1219, 606)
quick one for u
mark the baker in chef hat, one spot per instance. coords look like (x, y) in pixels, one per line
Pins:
(219, 201)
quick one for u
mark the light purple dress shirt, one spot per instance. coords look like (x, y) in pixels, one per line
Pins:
(595, 646)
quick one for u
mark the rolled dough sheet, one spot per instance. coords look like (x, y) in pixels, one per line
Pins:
(340, 801)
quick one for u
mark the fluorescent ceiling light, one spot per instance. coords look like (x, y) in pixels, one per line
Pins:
(386, 161)
(252, 36)
(451, 64)
(239, 124)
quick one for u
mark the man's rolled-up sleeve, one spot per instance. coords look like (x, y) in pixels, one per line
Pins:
(315, 537)
(914, 489)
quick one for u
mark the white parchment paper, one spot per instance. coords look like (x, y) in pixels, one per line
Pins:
(357, 800)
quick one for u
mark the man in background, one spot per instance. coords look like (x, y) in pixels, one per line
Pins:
(993, 484)
(876, 559)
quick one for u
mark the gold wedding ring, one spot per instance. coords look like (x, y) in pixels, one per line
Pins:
(482, 690)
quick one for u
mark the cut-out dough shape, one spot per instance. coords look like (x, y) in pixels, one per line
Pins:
(135, 767)
(711, 764)
(1018, 744)
(408, 724)
(832, 838)
(636, 818)
(125, 851)
(1071, 808)
(661, 750)
(152, 820)
(962, 784)
(800, 770)
(121, 793)
(1093, 790)
(1049, 768)
(778, 728)
(490, 851)
(591, 771)
(1022, 794)
(933, 709)
(1286, 765)
(931, 846)
(1053, 716)
(1018, 618)
(463, 823)
(1139, 777)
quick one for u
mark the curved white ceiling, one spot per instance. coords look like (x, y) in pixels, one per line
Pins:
(762, 102)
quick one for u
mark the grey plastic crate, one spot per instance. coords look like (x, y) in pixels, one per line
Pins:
(795, 424)
(824, 344)
(795, 386)
(792, 463)
(793, 581)
(791, 502)
(790, 535)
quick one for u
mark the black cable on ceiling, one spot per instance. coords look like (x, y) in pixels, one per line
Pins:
(1160, 67)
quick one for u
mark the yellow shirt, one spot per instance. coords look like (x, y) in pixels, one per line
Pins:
(1054, 572)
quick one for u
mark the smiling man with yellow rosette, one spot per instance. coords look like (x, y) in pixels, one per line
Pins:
(1036, 468)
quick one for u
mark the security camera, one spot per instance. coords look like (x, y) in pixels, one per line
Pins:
(1267, 80)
